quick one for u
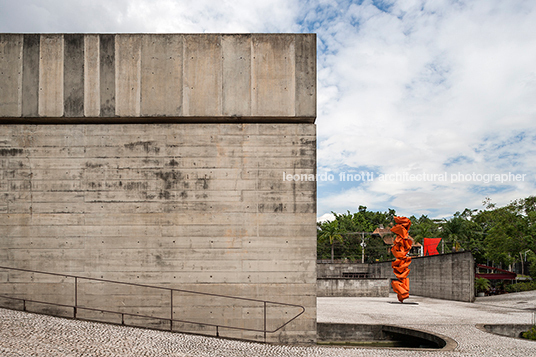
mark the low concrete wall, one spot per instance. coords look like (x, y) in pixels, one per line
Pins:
(508, 330)
(445, 276)
(405, 337)
(352, 287)
(350, 332)
(336, 270)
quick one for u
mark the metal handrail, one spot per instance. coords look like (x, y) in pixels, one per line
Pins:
(75, 307)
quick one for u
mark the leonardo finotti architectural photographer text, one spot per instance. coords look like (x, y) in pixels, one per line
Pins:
(367, 176)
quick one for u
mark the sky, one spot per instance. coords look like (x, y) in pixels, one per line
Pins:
(429, 106)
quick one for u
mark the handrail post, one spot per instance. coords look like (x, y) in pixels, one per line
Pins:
(75, 296)
(171, 316)
(265, 321)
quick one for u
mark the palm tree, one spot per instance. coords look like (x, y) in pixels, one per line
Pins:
(330, 231)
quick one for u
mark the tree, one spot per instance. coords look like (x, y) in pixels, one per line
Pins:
(423, 227)
(349, 225)
(462, 233)
(509, 231)
(330, 232)
(501, 234)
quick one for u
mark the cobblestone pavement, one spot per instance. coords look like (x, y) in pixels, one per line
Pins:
(24, 334)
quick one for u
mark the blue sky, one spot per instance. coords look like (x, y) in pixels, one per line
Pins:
(407, 89)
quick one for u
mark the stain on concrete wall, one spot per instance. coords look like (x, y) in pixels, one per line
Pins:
(162, 164)
(217, 221)
(117, 78)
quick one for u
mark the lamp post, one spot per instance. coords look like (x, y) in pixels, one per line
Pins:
(363, 244)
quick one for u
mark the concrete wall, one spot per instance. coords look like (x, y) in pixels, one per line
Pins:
(191, 198)
(336, 270)
(353, 287)
(508, 330)
(115, 78)
(404, 337)
(446, 276)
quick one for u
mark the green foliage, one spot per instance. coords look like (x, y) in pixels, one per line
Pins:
(517, 287)
(462, 233)
(509, 231)
(530, 334)
(424, 227)
(502, 235)
(531, 258)
(330, 232)
(482, 284)
(348, 243)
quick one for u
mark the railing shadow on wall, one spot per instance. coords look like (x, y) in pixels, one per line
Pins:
(78, 286)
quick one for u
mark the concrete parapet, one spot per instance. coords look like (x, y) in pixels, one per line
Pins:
(173, 78)
(353, 287)
(339, 270)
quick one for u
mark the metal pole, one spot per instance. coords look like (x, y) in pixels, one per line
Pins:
(265, 321)
(75, 296)
(362, 247)
(171, 317)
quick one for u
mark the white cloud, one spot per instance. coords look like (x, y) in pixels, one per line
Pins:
(404, 86)
(423, 84)
(153, 16)
(326, 217)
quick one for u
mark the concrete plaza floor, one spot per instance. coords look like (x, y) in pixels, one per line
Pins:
(25, 334)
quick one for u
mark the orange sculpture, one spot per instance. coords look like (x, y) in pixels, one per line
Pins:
(400, 249)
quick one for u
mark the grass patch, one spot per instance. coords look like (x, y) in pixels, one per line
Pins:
(530, 334)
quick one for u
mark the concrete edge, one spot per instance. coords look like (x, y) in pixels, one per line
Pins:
(523, 327)
(450, 344)
(345, 278)
(153, 120)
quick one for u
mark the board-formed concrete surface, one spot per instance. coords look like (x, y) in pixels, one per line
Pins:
(326, 269)
(443, 276)
(198, 207)
(338, 287)
(161, 160)
(120, 78)
(23, 334)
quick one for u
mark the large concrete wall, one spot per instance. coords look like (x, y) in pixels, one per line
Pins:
(445, 276)
(196, 200)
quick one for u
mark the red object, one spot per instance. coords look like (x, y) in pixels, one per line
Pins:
(430, 246)
(503, 275)
(400, 249)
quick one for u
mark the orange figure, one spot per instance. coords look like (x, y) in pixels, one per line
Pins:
(400, 249)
